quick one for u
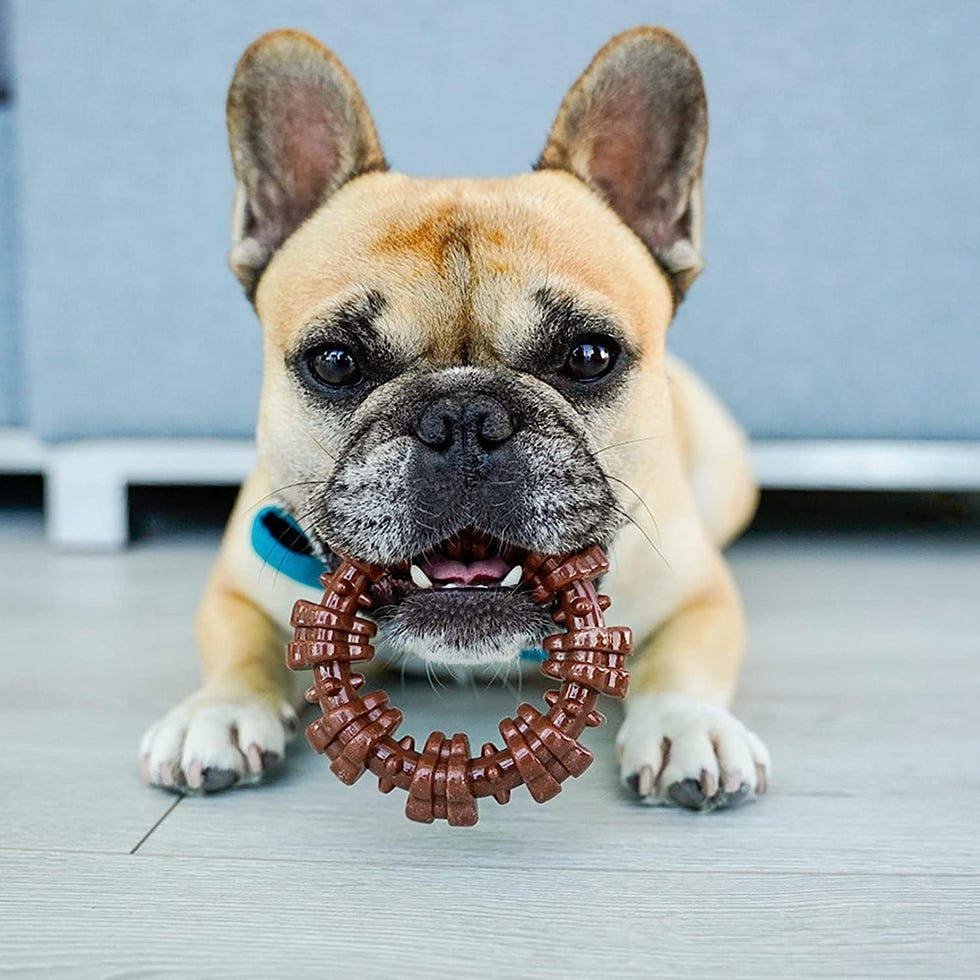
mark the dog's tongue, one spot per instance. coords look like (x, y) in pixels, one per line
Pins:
(481, 572)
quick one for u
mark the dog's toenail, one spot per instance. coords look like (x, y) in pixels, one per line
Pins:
(644, 782)
(708, 783)
(641, 782)
(254, 757)
(195, 776)
(732, 780)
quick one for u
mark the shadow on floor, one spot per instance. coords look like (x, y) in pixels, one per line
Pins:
(830, 511)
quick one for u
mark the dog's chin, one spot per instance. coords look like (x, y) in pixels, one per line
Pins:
(463, 626)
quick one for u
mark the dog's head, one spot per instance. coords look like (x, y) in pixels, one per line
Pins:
(453, 366)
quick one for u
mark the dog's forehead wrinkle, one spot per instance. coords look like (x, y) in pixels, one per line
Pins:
(492, 239)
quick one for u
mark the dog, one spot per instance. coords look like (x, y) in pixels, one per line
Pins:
(458, 372)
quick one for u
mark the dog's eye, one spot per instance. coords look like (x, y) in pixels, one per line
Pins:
(590, 358)
(335, 366)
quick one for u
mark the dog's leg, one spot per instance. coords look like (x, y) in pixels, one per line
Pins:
(679, 744)
(233, 730)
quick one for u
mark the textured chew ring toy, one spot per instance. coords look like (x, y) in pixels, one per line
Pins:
(443, 782)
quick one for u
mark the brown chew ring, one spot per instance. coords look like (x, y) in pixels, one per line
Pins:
(357, 731)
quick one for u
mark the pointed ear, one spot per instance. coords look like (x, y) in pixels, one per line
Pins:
(298, 129)
(634, 127)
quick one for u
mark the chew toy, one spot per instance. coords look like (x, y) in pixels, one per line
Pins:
(357, 731)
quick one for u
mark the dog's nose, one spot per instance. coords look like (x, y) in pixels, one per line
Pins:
(456, 422)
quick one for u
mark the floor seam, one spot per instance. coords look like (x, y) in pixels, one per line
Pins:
(166, 813)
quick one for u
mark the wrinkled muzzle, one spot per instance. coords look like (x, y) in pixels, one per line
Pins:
(450, 483)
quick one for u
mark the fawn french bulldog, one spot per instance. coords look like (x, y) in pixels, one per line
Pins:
(458, 372)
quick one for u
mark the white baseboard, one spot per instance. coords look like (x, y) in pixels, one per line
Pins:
(867, 464)
(86, 480)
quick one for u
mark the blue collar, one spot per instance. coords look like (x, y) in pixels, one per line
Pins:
(280, 542)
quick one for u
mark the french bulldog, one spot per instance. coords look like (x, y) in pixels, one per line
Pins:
(458, 372)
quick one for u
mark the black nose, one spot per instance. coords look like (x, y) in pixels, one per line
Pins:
(475, 422)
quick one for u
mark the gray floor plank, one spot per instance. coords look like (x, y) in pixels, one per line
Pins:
(179, 917)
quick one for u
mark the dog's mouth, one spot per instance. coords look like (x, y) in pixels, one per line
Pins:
(468, 561)
(463, 600)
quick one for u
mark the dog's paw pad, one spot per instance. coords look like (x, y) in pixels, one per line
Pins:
(688, 794)
(214, 780)
(724, 799)
(677, 751)
(212, 742)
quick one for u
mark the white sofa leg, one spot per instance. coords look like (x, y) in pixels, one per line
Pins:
(85, 500)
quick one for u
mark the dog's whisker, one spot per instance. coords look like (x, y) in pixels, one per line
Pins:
(492, 679)
(282, 559)
(267, 563)
(322, 448)
(642, 531)
(434, 679)
(615, 479)
(643, 503)
(249, 511)
(502, 674)
(630, 442)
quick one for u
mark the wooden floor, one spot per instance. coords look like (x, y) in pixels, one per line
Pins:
(864, 860)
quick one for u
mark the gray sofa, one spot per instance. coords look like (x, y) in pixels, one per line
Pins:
(841, 291)
(11, 359)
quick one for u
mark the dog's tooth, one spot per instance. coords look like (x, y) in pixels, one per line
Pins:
(512, 577)
(420, 578)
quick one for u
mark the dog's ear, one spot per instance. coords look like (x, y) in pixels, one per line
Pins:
(298, 129)
(634, 127)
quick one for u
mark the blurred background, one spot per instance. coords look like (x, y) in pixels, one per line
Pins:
(837, 314)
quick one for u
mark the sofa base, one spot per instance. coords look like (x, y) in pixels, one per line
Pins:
(86, 482)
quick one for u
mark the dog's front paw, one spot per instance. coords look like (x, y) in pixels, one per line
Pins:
(213, 741)
(677, 751)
